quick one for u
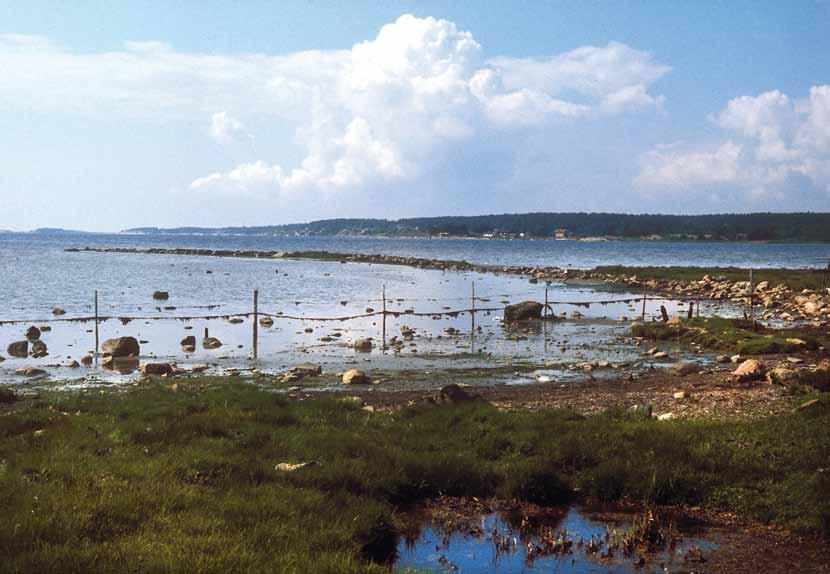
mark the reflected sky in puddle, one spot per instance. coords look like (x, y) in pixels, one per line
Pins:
(474, 551)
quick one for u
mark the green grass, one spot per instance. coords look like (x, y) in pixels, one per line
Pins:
(795, 279)
(156, 480)
(730, 335)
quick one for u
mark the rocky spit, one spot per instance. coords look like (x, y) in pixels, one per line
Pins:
(773, 302)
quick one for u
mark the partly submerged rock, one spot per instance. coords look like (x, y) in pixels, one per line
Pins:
(211, 343)
(19, 349)
(524, 311)
(30, 371)
(58, 311)
(363, 345)
(33, 333)
(161, 295)
(121, 347)
(39, 349)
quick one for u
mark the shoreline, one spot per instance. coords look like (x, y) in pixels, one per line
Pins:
(781, 293)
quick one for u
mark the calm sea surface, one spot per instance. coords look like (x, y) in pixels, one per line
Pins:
(36, 274)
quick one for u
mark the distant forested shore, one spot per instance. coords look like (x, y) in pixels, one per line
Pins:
(792, 227)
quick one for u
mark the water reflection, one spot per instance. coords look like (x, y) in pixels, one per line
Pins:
(565, 540)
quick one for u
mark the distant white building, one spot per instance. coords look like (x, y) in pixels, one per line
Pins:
(561, 234)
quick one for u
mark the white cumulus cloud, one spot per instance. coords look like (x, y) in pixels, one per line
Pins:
(394, 111)
(776, 144)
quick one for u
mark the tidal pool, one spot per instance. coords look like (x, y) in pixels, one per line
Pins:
(576, 541)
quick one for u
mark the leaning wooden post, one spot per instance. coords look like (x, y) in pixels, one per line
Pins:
(96, 325)
(256, 322)
(645, 293)
(545, 310)
(383, 321)
(751, 298)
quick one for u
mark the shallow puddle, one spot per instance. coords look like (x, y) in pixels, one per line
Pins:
(575, 541)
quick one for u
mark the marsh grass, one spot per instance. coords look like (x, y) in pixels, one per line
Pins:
(735, 335)
(156, 480)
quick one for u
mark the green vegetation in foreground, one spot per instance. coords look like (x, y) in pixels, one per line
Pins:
(157, 480)
(795, 279)
(732, 335)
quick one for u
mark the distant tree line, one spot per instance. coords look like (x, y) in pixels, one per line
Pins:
(811, 227)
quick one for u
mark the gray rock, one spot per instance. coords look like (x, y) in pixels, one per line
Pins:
(33, 333)
(39, 349)
(58, 311)
(161, 295)
(189, 341)
(356, 377)
(684, 368)
(363, 345)
(157, 369)
(524, 311)
(211, 343)
(454, 394)
(19, 349)
(121, 347)
(30, 372)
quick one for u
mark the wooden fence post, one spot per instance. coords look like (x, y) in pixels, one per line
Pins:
(751, 298)
(473, 318)
(383, 321)
(96, 325)
(256, 323)
(645, 293)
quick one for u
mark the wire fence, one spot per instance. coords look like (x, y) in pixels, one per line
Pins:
(547, 312)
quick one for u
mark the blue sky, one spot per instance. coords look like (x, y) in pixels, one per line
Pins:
(115, 115)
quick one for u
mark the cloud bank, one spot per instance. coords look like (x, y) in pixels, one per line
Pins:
(410, 106)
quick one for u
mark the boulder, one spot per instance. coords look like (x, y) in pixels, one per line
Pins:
(308, 369)
(211, 343)
(680, 395)
(356, 377)
(454, 394)
(189, 341)
(33, 333)
(682, 369)
(30, 372)
(58, 311)
(266, 321)
(161, 295)
(524, 311)
(157, 369)
(749, 370)
(86, 360)
(73, 364)
(19, 349)
(363, 345)
(781, 375)
(121, 347)
(39, 349)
